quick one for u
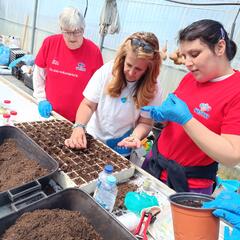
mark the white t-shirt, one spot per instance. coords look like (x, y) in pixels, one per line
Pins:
(114, 116)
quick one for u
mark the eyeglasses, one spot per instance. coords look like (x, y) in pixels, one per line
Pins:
(72, 33)
(147, 48)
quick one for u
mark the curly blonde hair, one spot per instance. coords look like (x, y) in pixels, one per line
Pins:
(146, 87)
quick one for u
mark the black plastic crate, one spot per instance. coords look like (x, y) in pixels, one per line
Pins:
(16, 53)
(75, 200)
(28, 80)
(20, 197)
(32, 151)
(17, 71)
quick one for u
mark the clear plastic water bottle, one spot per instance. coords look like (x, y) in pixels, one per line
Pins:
(107, 193)
(107, 171)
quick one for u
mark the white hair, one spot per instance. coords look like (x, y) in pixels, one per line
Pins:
(71, 19)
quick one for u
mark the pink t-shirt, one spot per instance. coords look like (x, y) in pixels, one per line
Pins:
(67, 72)
(217, 106)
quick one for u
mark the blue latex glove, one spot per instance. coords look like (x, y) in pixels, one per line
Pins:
(172, 109)
(229, 217)
(137, 201)
(156, 112)
(227, 206)
(235, 235)
(45, 108)
(226, 200)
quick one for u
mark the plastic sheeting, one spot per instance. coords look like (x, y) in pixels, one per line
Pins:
(161, 17)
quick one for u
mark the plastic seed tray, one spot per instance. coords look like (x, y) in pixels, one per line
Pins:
(78, 167)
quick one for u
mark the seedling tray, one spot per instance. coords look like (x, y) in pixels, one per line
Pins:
(79, 168)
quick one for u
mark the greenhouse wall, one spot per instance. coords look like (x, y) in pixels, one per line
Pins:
(33, 20)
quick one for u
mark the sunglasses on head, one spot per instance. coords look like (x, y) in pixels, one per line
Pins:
(147, 48)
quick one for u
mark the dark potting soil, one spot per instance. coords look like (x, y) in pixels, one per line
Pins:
(51, 225)
(123, 189)
(192, 203)
(81, 165)
(15, 167)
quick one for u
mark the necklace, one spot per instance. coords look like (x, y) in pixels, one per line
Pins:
(129, 93)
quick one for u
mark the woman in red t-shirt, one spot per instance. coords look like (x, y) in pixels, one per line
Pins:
(202, 115)
(63, 67)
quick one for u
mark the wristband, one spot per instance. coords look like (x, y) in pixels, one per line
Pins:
(76, 125)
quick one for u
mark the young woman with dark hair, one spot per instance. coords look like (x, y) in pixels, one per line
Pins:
(202, 115)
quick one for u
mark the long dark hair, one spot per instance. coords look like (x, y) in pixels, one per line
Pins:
(209, 32)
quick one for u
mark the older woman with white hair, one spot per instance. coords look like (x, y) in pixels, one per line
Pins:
(63, 67)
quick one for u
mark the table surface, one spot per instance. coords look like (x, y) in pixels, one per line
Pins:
(21, 102)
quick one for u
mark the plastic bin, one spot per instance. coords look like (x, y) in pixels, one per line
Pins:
(32, 151)
(28, 81)
(76, 200)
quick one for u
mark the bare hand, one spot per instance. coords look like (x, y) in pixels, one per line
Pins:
(77, 140)
(130, 142)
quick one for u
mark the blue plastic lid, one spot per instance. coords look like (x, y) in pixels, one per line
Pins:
(108, 168)
(111, 179)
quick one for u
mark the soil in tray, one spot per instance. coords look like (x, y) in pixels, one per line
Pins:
(123, 189)
(15, 167)
(51, 224)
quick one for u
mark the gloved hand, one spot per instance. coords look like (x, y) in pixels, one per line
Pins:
(156, 112)
(45, 108)
(226, 200)
(172, 109)
(235, 235)
(227, 206)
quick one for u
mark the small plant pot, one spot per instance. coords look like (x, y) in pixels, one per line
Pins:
(190, 221)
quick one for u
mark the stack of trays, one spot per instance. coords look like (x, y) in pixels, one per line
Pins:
(28, 80)
(79, 167)
(16, 53)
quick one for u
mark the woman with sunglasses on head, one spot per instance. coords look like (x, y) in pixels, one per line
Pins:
(203, 114)
(110, 110)
(63, 67)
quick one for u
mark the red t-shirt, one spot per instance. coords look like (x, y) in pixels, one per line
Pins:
(67, 72)
(214, 104)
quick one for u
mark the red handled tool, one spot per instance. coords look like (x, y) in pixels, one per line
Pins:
(141, 230)
(147, 217)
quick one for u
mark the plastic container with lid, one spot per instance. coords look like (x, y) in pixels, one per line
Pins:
(6, 104)
(6, 119)
(107, 193)
(13, 116)
(107, 171)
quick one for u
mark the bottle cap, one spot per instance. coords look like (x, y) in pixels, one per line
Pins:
(111, 179)
(6, 115)
(108, 168)
(7, 101)
(14, 113)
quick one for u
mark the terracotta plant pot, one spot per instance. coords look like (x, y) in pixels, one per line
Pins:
(190, 221)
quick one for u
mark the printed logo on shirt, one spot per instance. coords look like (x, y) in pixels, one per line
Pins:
(123, 99)
(203, 110)
(55, 62)
(81, 67)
